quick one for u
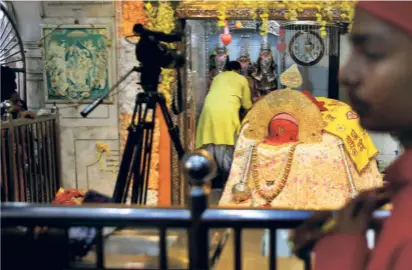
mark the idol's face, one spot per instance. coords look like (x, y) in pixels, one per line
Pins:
(220, 51)
(244, 59)
(282, 131)
(378, 74)
(265, 52)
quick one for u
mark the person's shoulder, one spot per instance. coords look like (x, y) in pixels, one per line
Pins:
(241, 78)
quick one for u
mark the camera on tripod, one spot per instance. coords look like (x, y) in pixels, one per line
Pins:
(135, 165)
(153, 55)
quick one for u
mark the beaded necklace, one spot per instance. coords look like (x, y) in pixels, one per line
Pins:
(272, 187)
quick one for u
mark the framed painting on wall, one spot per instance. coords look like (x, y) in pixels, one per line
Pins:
(77, 63)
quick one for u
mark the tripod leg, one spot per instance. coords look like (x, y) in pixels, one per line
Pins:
(173, 129)
(144, 154)
(136, 170)
(123, 178)
(128, 163)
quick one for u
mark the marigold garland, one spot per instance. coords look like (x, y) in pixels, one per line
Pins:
(157, 16)
(132, 13)
(292, 9)
(162, 18)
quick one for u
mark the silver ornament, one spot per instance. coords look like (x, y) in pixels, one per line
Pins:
(240, 192)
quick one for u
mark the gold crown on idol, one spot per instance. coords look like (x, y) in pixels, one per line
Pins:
(288, 101)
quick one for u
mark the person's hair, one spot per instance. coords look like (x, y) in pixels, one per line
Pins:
(233, 66)
(8, 83)
(404, 137)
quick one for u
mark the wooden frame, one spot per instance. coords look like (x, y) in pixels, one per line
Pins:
(110, 52)
(207, 10)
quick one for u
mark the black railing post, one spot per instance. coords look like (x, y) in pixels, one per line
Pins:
(199, 168)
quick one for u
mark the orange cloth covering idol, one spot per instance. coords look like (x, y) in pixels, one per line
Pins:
(393, 249)
(282, 129)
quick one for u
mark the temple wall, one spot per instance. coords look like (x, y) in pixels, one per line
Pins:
(315, 78)
(78, 136)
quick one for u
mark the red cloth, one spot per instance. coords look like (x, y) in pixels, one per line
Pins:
(397, 13)
(393, 249)
(68, 197)
(319, 104)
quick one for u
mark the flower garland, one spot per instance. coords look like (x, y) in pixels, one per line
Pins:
(292, 9)
(101, 149)
(162, 18)
(221, 10)
(349, 12)
(291, 13)
(264, 17)
(132, 13)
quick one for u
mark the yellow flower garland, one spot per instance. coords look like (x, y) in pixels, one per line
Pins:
(292, 10)
(221, 10)
(162, 18)
(101, 149)
(264, 17)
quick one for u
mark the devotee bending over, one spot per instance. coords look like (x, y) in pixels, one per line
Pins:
(219, 121)
(378, 78)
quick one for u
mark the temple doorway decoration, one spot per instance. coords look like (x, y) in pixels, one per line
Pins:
(253, 26)
(275, 30)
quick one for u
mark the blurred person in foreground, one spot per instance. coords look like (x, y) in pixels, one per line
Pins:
(378, 77)
(219, 122)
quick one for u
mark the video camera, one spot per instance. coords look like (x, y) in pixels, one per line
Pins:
(154, 55)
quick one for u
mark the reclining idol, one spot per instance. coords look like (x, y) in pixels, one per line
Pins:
(295, 151)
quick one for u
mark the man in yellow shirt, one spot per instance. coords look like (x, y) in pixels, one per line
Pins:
(219, 122)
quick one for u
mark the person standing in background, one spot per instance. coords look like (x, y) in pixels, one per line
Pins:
(219, 121)
(8, 92)
(378, 78)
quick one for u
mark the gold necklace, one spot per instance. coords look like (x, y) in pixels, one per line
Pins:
(270, 194)
(268, 177)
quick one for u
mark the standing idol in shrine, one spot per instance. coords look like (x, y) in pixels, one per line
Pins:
(246, 62)
(218, 61)
(265, 74)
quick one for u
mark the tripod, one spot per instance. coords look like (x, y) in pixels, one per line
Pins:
(137, 155)
(136, 160)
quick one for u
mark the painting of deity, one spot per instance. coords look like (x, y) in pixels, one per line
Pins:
(77, 63)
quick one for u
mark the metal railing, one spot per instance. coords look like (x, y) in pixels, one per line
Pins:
(198, 220)
(30, 159)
